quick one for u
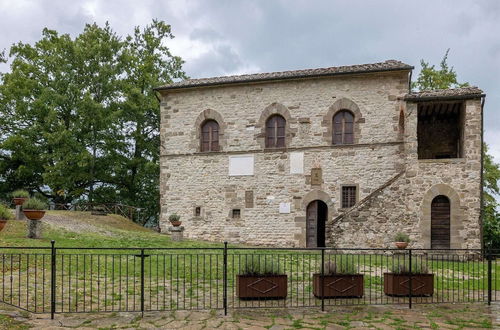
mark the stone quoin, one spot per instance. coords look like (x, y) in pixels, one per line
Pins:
(340, 157)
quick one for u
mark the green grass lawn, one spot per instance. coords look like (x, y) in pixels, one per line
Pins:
(183, 277)
(125, 234)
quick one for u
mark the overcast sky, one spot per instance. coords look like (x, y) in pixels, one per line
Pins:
(221, 37)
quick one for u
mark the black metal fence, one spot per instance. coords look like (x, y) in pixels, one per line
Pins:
(73, 280)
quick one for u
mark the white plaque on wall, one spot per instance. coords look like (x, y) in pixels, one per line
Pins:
(296, 163)
(284, 207)
(241, 165)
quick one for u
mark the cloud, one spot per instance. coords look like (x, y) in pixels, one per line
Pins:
(220, 37)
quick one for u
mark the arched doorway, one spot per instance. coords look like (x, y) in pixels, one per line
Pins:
(440, 222)
(316, 215)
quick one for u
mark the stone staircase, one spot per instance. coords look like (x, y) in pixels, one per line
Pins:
(372, 195)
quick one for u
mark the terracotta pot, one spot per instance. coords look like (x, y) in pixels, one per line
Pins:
(34, 214)
(176, 223)
(2, 224)
(19, 200)
(261, 287)
(399, 284)
(338, 286)
(401, 245)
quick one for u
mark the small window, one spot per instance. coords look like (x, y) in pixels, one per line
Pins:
(197, 211)
(348, 196)
(343, 127)
(275, 132)
(236, 214)
(209, 136)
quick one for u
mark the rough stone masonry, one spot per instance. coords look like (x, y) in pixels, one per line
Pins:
(312, 191)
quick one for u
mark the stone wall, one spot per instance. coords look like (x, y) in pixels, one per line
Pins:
(191, 179)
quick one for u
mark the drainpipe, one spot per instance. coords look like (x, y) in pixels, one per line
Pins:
(409, 82)
(481, 211)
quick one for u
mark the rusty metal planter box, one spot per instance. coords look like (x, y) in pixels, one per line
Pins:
(338, 286)
(261, 287)
(399, 284)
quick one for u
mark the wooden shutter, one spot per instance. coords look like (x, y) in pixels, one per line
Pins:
(440, 223)
(343, 128)
(210, 136)
(275, 132)
(348, 196)
(311, 224)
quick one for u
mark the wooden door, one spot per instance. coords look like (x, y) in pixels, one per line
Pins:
(312, 224)
(440, 223)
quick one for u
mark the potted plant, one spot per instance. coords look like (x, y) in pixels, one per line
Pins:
(174, 220)
(261, 280)
(401, 240)
(5, 215)
(34, 209)
(340, 279)
(20, 196)
(397, 282)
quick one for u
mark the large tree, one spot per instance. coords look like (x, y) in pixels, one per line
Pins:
(446, 77)
(79, 117)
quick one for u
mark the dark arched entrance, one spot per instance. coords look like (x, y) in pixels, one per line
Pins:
(440, 222)
(316, 215)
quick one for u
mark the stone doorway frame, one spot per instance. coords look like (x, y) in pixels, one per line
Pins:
(455, 215)
(313, 195)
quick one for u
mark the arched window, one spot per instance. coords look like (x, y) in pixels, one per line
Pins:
(210, 136)
(343, 127)
(275, 132)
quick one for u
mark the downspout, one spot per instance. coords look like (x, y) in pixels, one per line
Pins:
(409, 81)
(481, 211)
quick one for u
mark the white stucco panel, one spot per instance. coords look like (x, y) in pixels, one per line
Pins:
(296, 163)
(241, 165)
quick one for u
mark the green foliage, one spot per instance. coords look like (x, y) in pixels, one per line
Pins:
(417, 267)
(5, 213)
(343, 267)
(431, 78)
(80, 119)
(491, 216)
(19, 193)
(174, 217)
(401, 237)
(34, 204)
(260, 267)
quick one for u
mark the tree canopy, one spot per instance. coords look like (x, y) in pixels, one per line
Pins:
(445, 77)
(79, 116)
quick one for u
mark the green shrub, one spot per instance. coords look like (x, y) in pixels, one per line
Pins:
(20, 194)
(260, 267)
(340, 268)
(174, 217)
(417, 267)
(402, 237)
(5, 213)
(34, 204)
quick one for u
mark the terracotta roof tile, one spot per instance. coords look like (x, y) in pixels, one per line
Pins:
(460, 93)
(390, 65)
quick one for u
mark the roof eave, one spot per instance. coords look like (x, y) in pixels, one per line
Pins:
(261, 80)
(443, 98)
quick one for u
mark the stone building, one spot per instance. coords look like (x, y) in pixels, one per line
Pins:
(342, 156)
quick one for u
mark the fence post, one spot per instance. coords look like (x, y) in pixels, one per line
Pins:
(224, 278)
(142, 282)
(489, 256)
(410, 282)
(52, 279)
(322, 279)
